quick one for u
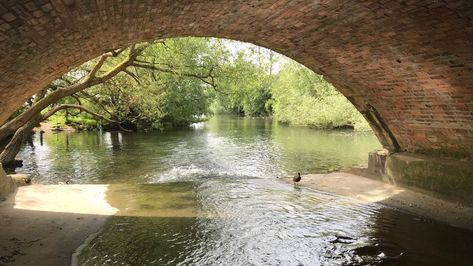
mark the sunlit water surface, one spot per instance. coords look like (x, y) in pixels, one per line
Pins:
(209, 196)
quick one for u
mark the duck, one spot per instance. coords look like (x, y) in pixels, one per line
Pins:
(297, 178)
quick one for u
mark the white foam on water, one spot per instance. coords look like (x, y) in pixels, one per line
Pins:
(194, 173)
(180, 173)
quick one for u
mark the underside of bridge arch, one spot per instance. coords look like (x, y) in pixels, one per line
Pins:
(406, 65)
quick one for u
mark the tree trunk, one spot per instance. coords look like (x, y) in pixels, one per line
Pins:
(7, 157)
(13, 125)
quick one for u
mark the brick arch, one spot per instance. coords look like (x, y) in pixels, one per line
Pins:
(406, 65)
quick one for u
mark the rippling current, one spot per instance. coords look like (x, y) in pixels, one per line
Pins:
(209, 196)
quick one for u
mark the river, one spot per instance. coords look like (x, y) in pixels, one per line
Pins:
(210, 195)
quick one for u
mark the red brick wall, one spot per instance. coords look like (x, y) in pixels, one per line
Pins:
(407, 65)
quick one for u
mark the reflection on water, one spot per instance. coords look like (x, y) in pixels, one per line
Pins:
(209, 196)
(223, 146)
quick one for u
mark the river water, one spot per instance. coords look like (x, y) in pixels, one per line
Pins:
(209, 195)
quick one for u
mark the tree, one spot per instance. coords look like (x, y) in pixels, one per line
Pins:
(76, 81)
(302, 97)
(247, 82)
(174, 84)
(127, 82)
(7, 156)
(83, 79)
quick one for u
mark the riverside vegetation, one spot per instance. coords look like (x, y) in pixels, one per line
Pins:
(176, 82)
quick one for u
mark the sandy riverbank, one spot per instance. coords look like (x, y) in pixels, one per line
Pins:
(44, 224)
(365, 189)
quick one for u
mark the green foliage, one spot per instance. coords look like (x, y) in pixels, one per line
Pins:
(61, 119)
(302, 97)
(172, 90)
(58, 119)
(294, 95)
(91, 122)
(189, 79)
(247, 83)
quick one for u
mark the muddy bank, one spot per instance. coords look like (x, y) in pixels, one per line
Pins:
(49, 127)
(44, 225)
(366, 189)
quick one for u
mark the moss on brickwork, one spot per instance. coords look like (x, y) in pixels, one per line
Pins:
(448, 177)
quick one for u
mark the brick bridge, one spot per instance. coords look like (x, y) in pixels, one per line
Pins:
(407, 65)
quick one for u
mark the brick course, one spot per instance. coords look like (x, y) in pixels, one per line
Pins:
(406, 65)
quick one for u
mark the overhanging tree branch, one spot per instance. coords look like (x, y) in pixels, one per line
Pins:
(90, 80)
(99, 65)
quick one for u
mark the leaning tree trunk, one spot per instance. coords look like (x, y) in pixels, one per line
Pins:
(7, 157)
(10, 127)
(13, 125)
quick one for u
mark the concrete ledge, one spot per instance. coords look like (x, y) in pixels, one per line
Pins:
(447, 177)
(7, 185)
(21, 179)
(363, 189)
(377, 163)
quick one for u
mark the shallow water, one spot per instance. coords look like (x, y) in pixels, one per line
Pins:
(209, 196)
(255, 221)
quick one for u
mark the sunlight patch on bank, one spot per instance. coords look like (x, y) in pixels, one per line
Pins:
(84, 199)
